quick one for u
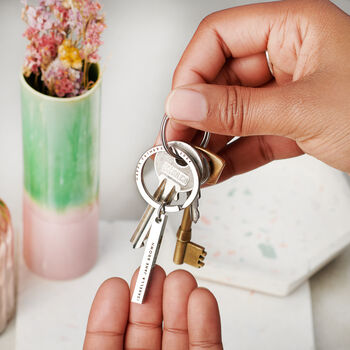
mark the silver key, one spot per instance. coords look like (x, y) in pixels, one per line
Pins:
(146, 217)
(144, 233)
(195, 214)
(204, 170)
(150, 257)
(177, 175)
(174, 207)
(178, 178)
(201, 161)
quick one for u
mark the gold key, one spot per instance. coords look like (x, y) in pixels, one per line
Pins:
(185, 250)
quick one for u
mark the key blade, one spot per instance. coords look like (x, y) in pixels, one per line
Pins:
(195, 214)
(168, 196)
(194, 208)
(142, 226)
(142, 237)
(150, 257)
(147, 215)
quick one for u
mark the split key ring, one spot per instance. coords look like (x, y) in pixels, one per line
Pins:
(170, 150)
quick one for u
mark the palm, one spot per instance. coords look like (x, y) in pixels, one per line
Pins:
(175, 315)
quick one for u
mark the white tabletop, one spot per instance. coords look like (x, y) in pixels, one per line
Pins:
(143, 43)
(53, 315)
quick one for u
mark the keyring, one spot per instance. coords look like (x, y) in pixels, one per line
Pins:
(269, 63)
(148, 197)
(170, 150)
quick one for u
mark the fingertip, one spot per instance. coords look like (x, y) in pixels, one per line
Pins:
(204, 324)
(156, 280)
(167, 103)
(187, 104)
(158, 140)
(201, 296)
(134, 278)
(112, 284)
(112, 295)
(179, 278)
(158, 272)
(108, 316)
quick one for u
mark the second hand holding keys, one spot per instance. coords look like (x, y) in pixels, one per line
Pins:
(180, 168)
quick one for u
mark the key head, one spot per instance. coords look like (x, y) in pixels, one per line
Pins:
(179, 175)
(197, 156)
(173, 177)
(202, 163)
(217, 165)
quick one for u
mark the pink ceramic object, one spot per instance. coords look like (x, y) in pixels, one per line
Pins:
(60, 245)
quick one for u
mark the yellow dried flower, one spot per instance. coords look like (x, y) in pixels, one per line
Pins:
(69, 55)
(66, 3)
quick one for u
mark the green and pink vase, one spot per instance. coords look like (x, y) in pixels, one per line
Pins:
(61, 141)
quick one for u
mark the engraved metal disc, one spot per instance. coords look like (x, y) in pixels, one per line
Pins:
(194, 176)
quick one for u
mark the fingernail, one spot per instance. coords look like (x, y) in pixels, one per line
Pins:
(158, 140)
(186, 104)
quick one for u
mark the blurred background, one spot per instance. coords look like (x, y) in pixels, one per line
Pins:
(142, 45)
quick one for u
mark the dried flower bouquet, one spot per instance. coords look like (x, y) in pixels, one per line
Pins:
(64, 37)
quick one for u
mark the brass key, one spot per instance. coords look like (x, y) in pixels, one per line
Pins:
(185, 250)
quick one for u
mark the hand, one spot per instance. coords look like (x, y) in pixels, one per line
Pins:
(190, 315)
(223, 85)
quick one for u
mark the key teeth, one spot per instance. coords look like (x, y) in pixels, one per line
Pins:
(200, 264)
(201, 259)
(194, 255)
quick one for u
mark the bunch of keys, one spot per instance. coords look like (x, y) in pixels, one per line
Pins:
(180, 168)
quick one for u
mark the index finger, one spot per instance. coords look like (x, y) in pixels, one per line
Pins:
(237, 32)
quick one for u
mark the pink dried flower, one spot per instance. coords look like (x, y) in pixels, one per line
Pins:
(51, 23)
(42, 50)
(62, 81)
(92, 41)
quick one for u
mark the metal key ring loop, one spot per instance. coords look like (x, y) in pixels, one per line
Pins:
(149, 198)
(269, 64)
(170, 150)
(160, 211)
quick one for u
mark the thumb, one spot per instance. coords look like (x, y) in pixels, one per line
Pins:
(236, 110)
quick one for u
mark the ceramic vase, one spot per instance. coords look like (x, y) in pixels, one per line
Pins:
(61, 141)
(7, 267)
